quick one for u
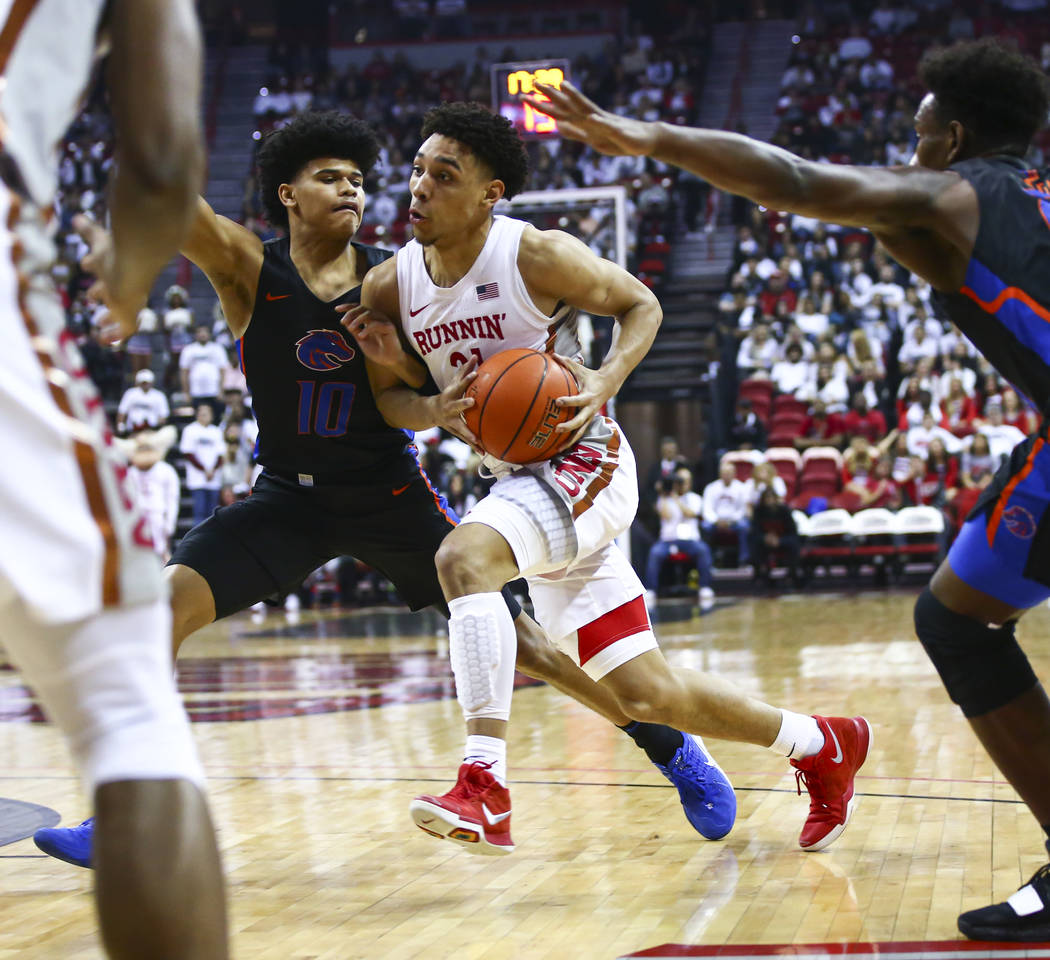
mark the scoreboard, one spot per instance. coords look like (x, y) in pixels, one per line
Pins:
(511, 80)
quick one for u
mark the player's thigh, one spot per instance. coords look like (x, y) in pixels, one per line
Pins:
(252, 549)
(595, 612)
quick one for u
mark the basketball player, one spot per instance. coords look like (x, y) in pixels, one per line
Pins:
(83, 611)
(971, 218)
(468, 286)
(338, 480)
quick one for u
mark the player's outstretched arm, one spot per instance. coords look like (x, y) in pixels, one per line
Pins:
(231, 257)
(154, 78)
(873, 197)
(556, 268)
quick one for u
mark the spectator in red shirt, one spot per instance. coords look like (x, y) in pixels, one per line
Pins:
(1016, 414)
(776, 291)
(879, 488)
(864, 422)
(820, 428)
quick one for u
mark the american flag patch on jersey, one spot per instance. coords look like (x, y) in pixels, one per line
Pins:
(487, 291)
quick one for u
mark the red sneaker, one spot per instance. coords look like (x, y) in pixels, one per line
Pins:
(828, 776)
(474, 813)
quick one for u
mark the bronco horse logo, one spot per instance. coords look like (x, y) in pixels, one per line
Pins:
(323, 350)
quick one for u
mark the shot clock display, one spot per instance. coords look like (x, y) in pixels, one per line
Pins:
(511, 80)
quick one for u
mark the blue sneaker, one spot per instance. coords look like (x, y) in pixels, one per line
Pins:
(705, 791)
(72, 844)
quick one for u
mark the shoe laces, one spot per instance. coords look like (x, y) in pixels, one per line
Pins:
(692, 765)
(1042, 875)
(470, 784)
(817, 795)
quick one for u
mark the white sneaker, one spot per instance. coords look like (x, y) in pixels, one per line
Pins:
(650, 598)
(291, 603)
(707, 599)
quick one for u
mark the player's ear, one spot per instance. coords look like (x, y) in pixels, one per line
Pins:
(494, 192)
(958, 139)
(286, 194)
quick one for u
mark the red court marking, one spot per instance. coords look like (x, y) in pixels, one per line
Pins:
(904, 950)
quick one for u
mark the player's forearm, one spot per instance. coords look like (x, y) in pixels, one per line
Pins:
(409, 369)
(406, 409)
(632, 337)
(735, 163)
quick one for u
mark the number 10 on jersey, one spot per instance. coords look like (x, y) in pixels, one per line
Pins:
(325, 412)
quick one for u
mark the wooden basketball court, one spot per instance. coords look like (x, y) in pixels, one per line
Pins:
(316, 735)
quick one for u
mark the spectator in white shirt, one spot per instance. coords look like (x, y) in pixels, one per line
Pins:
(143, 406)
(811, 321)
(177, 318)
(792, 373)
(827, 387)
(764, 475)
(917, 346)
(201, 366)
(155, 486)
(726, 509)
(680, 508)
(919, 437)
(202, 447)
(1002, 438)
(757, 353)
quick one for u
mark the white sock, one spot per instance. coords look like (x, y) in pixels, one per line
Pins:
(799, 736)
(490, 750)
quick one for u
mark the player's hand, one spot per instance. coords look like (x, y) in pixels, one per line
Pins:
(593, 394)
(122, 305)
(447, 407)
(581, 119)
(375, 335)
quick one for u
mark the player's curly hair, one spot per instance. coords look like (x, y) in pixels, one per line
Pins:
(316, 133)
(999, 95)
(491, 139)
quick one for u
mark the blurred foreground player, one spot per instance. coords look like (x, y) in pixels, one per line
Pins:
(337, 479)
(469, 286)
(973, 219)
(83, 609)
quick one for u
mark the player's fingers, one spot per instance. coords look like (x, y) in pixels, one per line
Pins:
(88, 230)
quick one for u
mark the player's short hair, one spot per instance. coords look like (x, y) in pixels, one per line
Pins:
(999, 95)
(490, 137)
(316, 133)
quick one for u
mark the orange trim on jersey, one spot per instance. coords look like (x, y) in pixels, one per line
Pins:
(87, 459)
(1009, 293)
(16, 20)
(434, 494)
(600, 482)
(1000, 503)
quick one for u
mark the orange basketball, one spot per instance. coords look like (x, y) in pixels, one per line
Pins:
(514, 414)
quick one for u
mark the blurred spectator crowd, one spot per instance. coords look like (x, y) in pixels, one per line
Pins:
(852, 393)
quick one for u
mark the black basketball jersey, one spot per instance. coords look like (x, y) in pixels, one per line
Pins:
(1003, 306)
(309, 385)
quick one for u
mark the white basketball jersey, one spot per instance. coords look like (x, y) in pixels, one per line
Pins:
(488, 310)
(47, 51)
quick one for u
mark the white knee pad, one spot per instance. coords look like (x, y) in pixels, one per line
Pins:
(482, 648)
(107, 682)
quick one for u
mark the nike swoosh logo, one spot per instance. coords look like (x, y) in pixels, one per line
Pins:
(397, 491)
(493, 818)
(412, 313)
(838, 755)
(283, 296)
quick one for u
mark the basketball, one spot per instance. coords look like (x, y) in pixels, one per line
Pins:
(514, 414)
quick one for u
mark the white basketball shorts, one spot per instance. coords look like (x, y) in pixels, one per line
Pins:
(561, 519)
